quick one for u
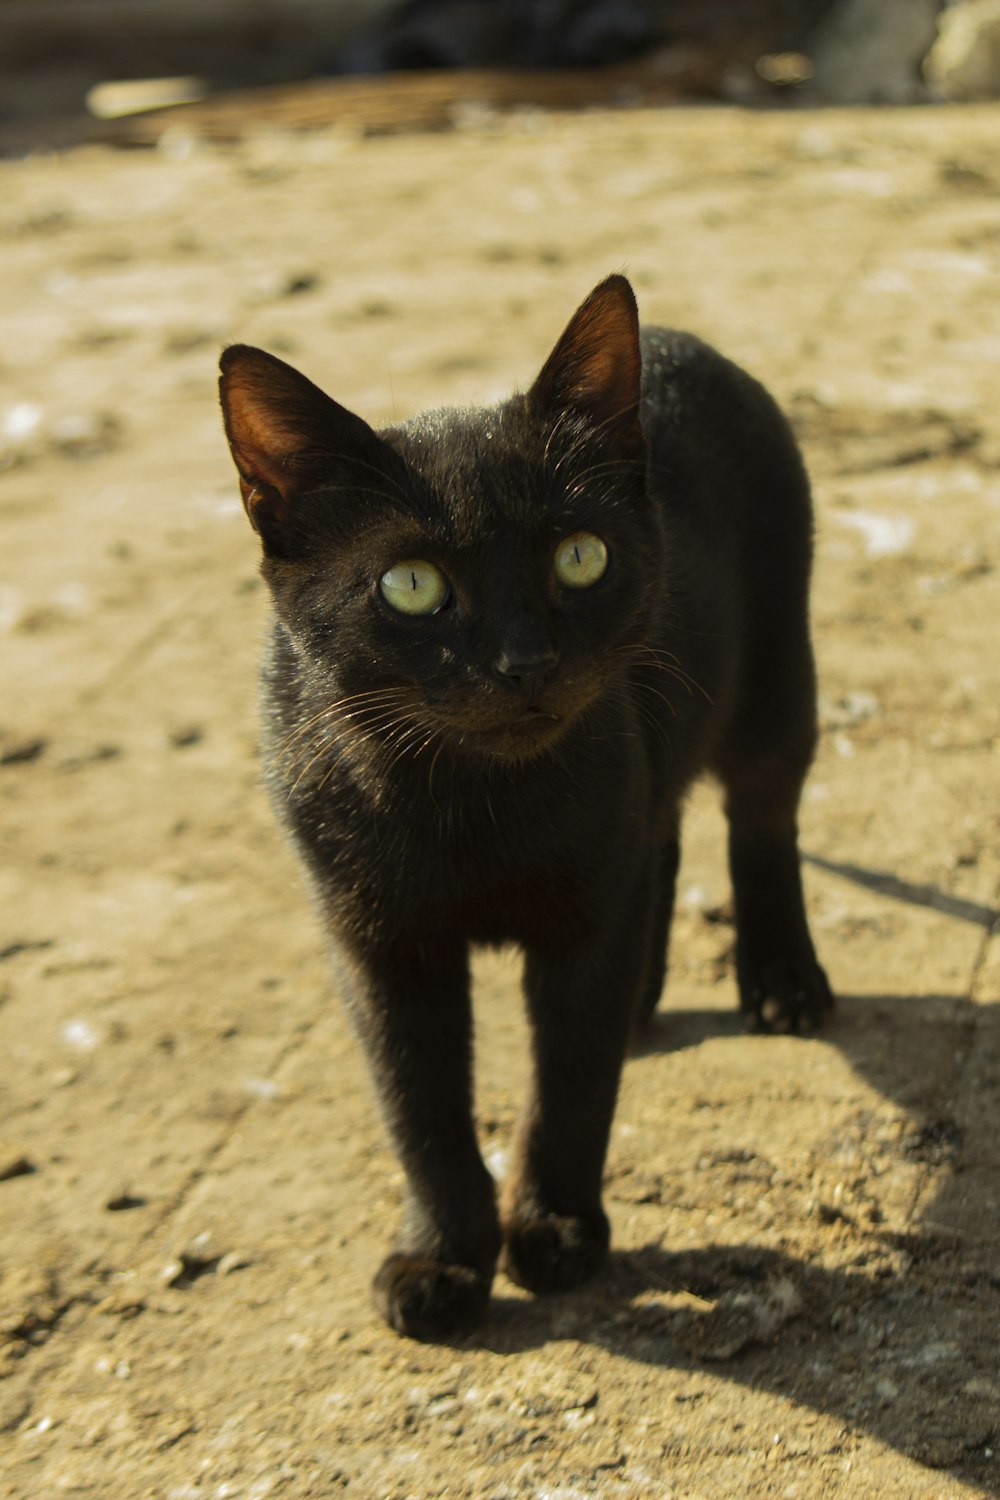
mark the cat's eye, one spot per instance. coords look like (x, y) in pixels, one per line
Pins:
(414, 587)
(581, 559)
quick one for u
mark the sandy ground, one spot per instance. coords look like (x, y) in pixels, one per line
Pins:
(804, 1298)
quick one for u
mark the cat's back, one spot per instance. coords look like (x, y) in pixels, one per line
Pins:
(726, 473)
(715, 434)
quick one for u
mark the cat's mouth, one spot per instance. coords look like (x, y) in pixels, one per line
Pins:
(513, 727)
(532, 721)
(526, 733)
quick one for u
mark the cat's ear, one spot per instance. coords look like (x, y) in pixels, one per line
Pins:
(595, 370)
(286, 437)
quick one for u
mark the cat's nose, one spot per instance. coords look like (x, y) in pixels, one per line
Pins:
(527, 671)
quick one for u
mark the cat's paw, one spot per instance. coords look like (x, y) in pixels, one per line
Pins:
(786, 997)
(556, 1252)
(429, 1299)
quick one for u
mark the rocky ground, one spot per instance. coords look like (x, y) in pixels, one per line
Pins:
(805, 1293)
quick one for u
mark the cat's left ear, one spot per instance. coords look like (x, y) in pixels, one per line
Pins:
(595, 370)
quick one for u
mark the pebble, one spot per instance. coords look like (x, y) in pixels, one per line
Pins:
(29, 1301)
(20, 752)
(80, 1035)
(233, 1260)
(553, 1394)
(980, 1386)
(185, 736)
(849, 710)
(738, 1320)
(201, 1257)
(14, 1162)
(121, 1201)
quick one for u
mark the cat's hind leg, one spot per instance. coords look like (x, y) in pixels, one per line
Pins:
(782, 986)
(659, 938)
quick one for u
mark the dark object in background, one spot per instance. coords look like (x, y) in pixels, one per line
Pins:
(54, 54)
(509, 33)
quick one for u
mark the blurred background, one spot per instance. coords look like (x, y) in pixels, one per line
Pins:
(66, 65)
(407, 201)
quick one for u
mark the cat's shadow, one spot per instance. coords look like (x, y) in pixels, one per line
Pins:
(887, 1350)
(676, 1030)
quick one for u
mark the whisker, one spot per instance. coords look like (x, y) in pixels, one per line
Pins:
(647, 687)
(621, 693)
(386, 723)
(665, 661)
(374, 697)
(405, 744)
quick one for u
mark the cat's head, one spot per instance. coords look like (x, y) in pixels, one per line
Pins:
(483, 573)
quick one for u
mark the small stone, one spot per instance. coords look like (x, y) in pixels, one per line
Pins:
(81, 1035)
(121, 1202)
(980, 1386)
(25, 945)
(20, 421)
(187, 735)
(22, 752)
(304, 281)
(274, 287)
(849, 710)
(198, 1258)
(546, 1394)
(739, 1320)
(123, 1302)
(174, 1431)
(233, 1260)
(14, 1163)
(89, 755)
(29, 1302)
(172, 1272)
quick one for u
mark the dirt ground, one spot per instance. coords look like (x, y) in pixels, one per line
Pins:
(804, 1298)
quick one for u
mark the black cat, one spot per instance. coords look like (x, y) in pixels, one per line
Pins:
(505, 642)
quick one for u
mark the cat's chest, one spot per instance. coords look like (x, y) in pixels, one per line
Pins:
(476, 841)
(494, 859)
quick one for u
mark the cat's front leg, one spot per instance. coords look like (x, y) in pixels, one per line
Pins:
(581, 1003)
(411, 1004)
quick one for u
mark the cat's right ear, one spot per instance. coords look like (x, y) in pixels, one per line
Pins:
(286, 437)
(595, 370)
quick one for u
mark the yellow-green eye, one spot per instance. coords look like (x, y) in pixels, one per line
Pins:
(414, 587)
(581, 559)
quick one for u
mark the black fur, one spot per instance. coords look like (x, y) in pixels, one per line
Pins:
(511, 768)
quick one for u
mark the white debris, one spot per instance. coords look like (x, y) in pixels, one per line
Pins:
(81, 1035)
(885, 536)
